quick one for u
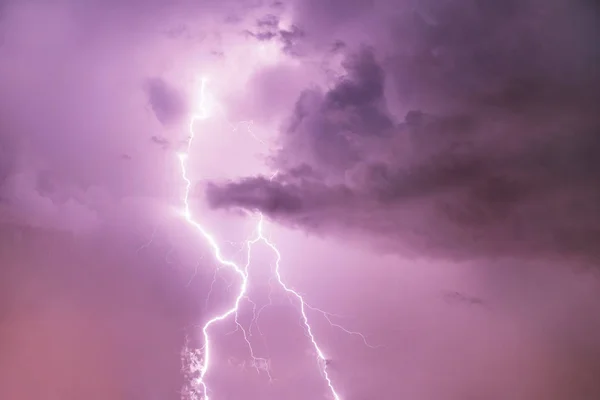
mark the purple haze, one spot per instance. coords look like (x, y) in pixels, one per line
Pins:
(437, 188)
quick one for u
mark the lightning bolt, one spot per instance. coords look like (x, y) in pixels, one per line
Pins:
(200, 360)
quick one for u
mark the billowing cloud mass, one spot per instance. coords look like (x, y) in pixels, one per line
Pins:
(463, 129)
(436, 189)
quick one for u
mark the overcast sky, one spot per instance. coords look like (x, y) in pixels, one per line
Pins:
(436, 190)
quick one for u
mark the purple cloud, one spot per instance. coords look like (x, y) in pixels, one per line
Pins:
(463, 133)
(494, 155)
(168, 105)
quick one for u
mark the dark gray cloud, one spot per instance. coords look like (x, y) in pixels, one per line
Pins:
(269, 27)
(489, 149)
(167, 103)
(7, 159)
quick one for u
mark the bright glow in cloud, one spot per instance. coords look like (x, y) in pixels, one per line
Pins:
(200, 363)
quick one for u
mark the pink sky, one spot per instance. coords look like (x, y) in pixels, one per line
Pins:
(437, 193)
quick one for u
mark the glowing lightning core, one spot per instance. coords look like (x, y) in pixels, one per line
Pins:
(205, 359)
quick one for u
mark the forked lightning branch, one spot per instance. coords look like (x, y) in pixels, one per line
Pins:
(199, 361)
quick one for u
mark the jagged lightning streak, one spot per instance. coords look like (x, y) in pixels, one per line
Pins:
(321, 356)
(205, 361)
(202, 362)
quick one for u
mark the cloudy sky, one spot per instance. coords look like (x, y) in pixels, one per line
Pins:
(436, 190)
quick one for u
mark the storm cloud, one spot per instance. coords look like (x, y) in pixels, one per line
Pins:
(471, 133)
(464, 133)
(167, 103)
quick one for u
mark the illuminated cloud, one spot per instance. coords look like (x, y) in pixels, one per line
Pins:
(487, 148)
(461, 130)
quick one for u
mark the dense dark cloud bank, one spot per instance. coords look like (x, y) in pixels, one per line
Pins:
(464, 130)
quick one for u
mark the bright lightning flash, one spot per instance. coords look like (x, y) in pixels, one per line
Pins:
(201, 362)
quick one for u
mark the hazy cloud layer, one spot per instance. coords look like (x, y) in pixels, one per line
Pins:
(88, 318)
(456, 130)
